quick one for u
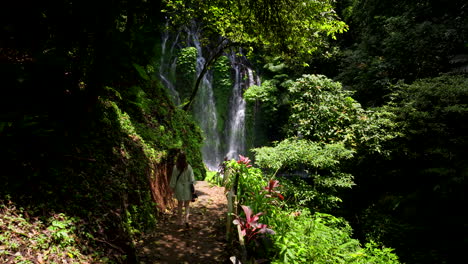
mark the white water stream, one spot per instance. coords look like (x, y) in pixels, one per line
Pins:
(204, 107)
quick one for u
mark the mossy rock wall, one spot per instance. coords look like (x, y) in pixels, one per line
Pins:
(108, 166)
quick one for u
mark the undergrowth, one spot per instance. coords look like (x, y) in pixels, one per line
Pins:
(278, 229)
(54, 239)
(84, 182)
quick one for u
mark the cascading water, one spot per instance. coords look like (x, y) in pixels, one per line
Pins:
(167, 65)
(243, 79)
(204, 108)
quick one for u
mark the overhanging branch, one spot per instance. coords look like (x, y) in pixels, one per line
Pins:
(221, 47)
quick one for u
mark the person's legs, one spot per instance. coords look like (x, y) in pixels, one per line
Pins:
(187, 211)
(179, 212)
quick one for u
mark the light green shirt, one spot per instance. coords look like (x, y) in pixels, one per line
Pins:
(181, 187)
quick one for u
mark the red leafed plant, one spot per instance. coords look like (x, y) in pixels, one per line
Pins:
(250, 227)
(270, 188)
(244, 160)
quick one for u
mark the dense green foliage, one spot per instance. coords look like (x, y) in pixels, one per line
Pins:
(321, 164)
(299, 237)
(401, 40)
(186, 71)
(54, 239)
(263, 94)
(417, 140)
(85, 127)
(321, 110)
(323, 238)
(407, 193)
(222, 85)
(267, 105)
(266, 24)
(120, 151)
(326, 127)
(414, 189)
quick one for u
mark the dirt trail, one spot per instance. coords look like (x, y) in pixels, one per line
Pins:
(203, 242)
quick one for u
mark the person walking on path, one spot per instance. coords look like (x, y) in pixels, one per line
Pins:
(181, 181)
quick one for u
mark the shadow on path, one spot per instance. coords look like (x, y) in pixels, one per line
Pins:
(204, 241)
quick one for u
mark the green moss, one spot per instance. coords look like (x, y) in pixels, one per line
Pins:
(222, 86)
(96, 165)
(186, 72)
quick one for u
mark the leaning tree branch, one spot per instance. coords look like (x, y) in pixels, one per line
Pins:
(223, 45)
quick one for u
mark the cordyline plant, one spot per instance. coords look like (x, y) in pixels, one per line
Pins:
(242, 166)
(270, 189)
(250, 227)
(244, 160)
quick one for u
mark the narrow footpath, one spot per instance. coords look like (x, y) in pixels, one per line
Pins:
(204, 241)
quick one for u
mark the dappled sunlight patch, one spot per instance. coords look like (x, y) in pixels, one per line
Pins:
(128, 127)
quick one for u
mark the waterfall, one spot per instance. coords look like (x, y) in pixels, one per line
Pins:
(204, 106)
(167, 65)
(243, 79)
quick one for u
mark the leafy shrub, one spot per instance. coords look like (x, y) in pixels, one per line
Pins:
(321, 110)
(300, 237)
(322, 238)
(247, 179)
(56, 239)
(298, 193)
(266, 94)
(320, 162)
(214, 177)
